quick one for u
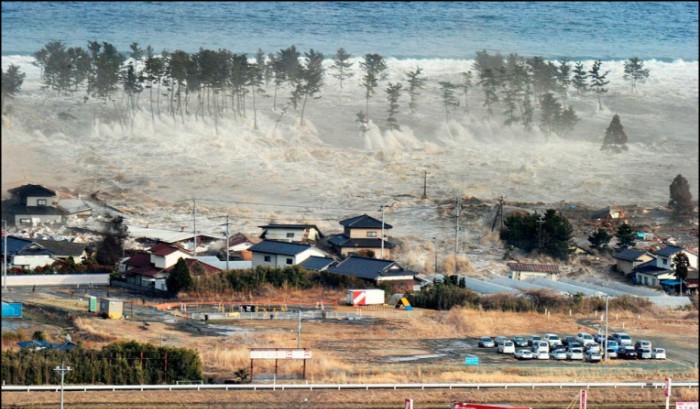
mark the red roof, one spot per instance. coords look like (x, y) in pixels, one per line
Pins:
(191, 264)
(139, 260)
(537, 268)
(162, 249)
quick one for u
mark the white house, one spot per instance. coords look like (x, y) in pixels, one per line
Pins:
(523, 271)
(291, 233)
(664, 257)
(280, 254)
(165, 255)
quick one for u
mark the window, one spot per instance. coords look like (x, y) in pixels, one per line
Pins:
(41, 202)
(371, 234)
(290, 261)
(268, 258)
(290, 235)
(25, 221)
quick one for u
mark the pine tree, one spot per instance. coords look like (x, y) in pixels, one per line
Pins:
(449, 100)
(598, 81)
(489, 85)
(681, 199)
(12, 80)
(625, 236)
(374, 68)
(615, 136)
(110, 250)
(599, 239)
(680, 266)
(308, 80)
(393, 92)
(179, 278)
(635, 72)
(564, 77)
(465, 86)
(415, 83)
(341, 66)
(580, 79)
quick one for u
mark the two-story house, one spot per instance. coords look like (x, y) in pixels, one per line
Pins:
(291, 233)
(378, 271)
(628, 260)
(280, 254)
(362, 235)
(661, 267)
(34, 204)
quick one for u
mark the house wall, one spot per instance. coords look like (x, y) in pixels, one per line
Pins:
(57, 279)
(524, 275)
(653, 281)
(278, 260)
(298, 235)
(667, 262)
(31, 262)
(169, 260)
(20, 219)
(627, 266)
(34, 200)
(347, 251)
(362, 233)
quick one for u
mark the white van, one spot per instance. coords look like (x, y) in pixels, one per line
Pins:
(506, 347)
(585, 338)
(540, 346)
(553, 340)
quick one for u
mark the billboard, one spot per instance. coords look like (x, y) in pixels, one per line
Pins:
(280, 354)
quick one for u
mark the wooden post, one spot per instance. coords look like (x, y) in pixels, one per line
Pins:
(251, 369)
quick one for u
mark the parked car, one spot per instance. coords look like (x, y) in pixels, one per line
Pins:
(567, 340)
(585, 338)
(558, 354)
(553, 340)
(520, 341)
(574, 354)
(642, 344)
(540, 353)
(533, 339)
(612, 353)
(592, 347)
(507, 347)
(486, 342)
(622, 338)
(524, 354)
(644, 353)
(500, 340)
(599, 338)
(658, 353)
(613, 345)
(592, 356)
(627, 354)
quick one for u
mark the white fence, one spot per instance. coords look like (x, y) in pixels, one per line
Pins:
(282, 387)
(57, 279)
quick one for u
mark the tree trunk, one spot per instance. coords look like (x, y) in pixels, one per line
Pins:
(303, 107)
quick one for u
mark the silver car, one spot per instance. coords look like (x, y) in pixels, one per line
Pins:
(558, 354)
(575, 354)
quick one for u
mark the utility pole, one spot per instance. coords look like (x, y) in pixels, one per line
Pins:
(425, 184)
(194, 224)
(605, 357)
(436, 254)
(500, 211)
(4, 255)
(227, 238)
(299, 332)
(63, 371)
(458, 207)
(381, 207)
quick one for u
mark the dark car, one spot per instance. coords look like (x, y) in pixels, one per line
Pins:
(627, 354)
(568, 340)
(520, 341)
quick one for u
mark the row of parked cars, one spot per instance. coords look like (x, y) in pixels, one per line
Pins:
(583, 346)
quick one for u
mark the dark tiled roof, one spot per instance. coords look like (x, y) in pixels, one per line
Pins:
(191, 263)
(139, 260)
(292, 226)
(62, 248)
(165, 249)
(32, 191)
(15, 244)
(537, 268)
(237, 239)
(278, 247)
(21, 210)
(368, 268)
(34, 250)
(629, 254)
(668, 251)
(650, 268)
(341, 240)
(316, 263)
(364, 222)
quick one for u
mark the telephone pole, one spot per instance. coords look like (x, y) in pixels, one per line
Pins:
(425, 184)
(436, 254)
(381, 207)
(194, 224)
(458, 207)
(4, 255)
(63, 371)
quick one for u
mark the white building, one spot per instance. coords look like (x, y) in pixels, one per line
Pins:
(279, 254)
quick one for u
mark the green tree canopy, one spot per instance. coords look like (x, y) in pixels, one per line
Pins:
(180, 278)
(550, 234)
(111, 249)
(681, 199)
(635, 72)
(625, 236)
(599, 239)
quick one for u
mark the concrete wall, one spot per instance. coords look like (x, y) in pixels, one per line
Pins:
(362, 233)
(34, 200)
(57, 279)
(46, 218)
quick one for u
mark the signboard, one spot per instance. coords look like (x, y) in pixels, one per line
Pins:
(408, 404)
(280, 354)
(471, 360)
(686, 405)
(583, 399)
(465, 405)
(667, 387)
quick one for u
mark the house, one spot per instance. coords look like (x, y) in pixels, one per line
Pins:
(524, 271)
(628, 259)
(664, 256)
(34, 204)
(64, 250)
(74, 208)
(608, 215)
(239, 247)
(214, 261)
(377, 270)
(362, 235)
(280, 254)
(165, 255)
(661, 270)
(317, 263)
(292, 233)
(25, 254)
(182, 239)
(651, 274)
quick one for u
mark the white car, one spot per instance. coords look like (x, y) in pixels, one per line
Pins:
(540, 354)
(531, 341)
(506, 347)
(575, 354)
(523, 354)
(612, 353)
(585, 338)
(553, 340)
(500, 340)
(593, 356)
(558, 354)
(540, 346)
(622, 338)
(658, 353)
(592, 348)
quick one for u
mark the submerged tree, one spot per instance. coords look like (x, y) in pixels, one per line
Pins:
(449, 100)
(111, 248)
(12, 80)
(341, 66)
(308, 81)
(615, 136)
(393, 92)
(374, 68)
(635, 72)
(681, 199)
(680, 266)
(598, 81)
(626, 236)
(179, 278)
(580, 79)
(599, 239)
(465, 86)
(415, 83)
(489, 85)
(550, 234)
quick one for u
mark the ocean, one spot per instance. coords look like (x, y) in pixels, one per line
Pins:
(664, 31)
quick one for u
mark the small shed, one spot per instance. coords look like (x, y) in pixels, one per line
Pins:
(11, 310)
(524, 271)
(112, 307)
